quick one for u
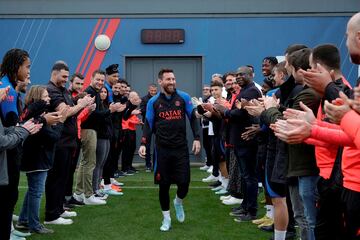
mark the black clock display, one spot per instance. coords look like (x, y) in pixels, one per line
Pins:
(162, 36)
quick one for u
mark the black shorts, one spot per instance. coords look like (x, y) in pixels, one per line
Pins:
(274, 189)
(171, 165)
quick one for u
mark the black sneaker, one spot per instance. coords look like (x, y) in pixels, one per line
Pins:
(268, 228)
(215, 184)
(42, 230)
(148, 169)
(245, 218)
(129, 173)
(238, 213)
(234, 209)
(119, 174)
(75, 202)
(134, 169)
(23, 226)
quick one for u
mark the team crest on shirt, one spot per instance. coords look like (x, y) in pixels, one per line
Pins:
(177, 103)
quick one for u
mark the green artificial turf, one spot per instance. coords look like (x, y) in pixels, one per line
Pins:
(137, 215)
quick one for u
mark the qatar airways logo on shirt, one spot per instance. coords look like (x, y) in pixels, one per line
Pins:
(171, 115)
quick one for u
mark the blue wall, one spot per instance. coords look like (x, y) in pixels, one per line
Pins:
(225, 43)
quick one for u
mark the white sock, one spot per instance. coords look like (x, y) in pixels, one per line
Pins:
(225, 183)
(270, 211)
(178, 200)
(279, 235)
(107, 187)
(68, 198)
(166, 214)
(12, 226)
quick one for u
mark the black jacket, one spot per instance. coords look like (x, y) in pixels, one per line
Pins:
(96, 118)
(39, 149)
(105, 128)
(165, 118)
(144, 101)
(60, 95)
(277, 150)
(239, 119)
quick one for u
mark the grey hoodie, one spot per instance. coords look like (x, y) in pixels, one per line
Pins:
(9, 138)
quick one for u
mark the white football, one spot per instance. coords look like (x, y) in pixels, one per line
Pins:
(102, 42)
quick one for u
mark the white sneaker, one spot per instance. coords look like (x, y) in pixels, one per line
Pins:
(60, 221)
(115, 182)
(68, 214)
(210, 178)
(14, 237)
(79, 197)
(221, 192)
(222, 198)
(92, 200)
(232, 201)
(218, 188)
(204, 168)
(15, 218)
(165, 225)
(210, 169)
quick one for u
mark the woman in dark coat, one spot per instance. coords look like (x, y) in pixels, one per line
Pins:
(37, 157)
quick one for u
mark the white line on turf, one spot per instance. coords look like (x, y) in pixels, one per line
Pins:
(141, 187)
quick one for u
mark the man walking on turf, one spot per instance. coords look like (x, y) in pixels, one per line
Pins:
(165, 117)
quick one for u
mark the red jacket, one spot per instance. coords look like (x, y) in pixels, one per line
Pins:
(332, 136)
(131, 123)
(83, 115)
(325, 156)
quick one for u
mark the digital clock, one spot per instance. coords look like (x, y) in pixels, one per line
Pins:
(162, 36)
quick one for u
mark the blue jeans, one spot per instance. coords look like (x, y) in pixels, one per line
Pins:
(309, 195)
(31, 205)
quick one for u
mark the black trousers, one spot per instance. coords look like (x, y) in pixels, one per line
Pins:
(112, 162)
(351, 201)
(8, 197)
(329, 220)
(73, 164)
(218, 153)
(129, 148)
(246, 157)
(56, 182)
(207, 144)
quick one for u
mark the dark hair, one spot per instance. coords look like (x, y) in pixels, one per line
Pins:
(98, 71)
(76, 75)
(58, 66)
(216, 84)
(294, 47)
(300, 59)
(272, 60)
(327, 54)
(228, 74)
(123, 81)
(164, 70)
(11, 63)
(280, 67)
(152, 85)
(250, 66)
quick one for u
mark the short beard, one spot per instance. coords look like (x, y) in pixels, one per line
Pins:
(169, 92)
